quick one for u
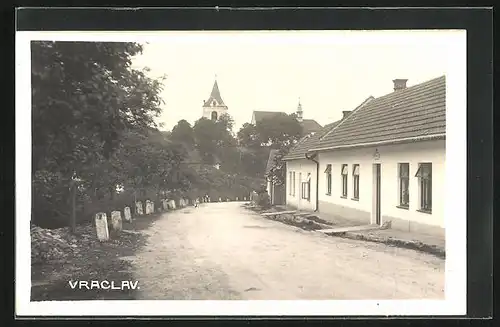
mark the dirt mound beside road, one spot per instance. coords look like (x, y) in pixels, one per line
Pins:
(57, 244)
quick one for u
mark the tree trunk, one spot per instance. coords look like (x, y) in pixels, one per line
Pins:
(112, 191)
(73, 208)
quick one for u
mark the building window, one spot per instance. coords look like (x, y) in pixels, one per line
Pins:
(355, 181)
(424, 174)
(293, 184)
(404, 185)
(300, 183)
(306, 188)
(344, 180)
(214, 115)
(290, 183)
(328, 172)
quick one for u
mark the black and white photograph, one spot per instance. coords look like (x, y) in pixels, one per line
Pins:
(227, 166)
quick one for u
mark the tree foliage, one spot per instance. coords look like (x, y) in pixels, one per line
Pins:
(280, 132)
(249, 136)
(183, 133)
(93, 121)
(216, 142)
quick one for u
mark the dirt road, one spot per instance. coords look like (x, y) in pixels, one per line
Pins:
(221, 251)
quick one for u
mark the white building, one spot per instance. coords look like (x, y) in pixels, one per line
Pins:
(214, 107)
(385, 162)
(302, 169)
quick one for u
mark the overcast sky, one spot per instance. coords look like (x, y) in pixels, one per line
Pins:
(330, 71)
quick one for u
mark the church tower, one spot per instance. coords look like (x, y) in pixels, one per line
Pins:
(299, 112)
(214, 107)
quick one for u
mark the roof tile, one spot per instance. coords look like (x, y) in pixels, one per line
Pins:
(416, 111)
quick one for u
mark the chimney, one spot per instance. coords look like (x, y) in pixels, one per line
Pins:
(399, 84)
(346, 114)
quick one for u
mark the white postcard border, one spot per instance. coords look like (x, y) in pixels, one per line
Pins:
(455, 206)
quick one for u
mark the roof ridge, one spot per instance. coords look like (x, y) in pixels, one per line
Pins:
(367, 100)
(413, 87)
(415, 112)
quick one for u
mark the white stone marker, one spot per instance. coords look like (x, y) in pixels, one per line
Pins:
(236, 198)
(138, 208)
(148, 207)
(116, 220)
(220, 199)
(126, 214)
(171, 204)
(101, 226)
(244, 198)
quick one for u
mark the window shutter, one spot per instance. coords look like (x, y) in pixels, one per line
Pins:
(419, 171)
(344, 170)
(328, 169)
(424, 171)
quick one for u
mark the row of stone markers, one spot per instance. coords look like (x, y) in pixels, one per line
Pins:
(101, 221)
(227, 199)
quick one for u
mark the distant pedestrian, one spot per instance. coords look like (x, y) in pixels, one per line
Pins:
(196, 202)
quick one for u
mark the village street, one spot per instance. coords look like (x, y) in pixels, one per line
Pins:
(221, 251)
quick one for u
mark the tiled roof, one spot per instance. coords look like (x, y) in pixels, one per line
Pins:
(310, 125)
(270, 160)
(413, 113)
(215, 95)
(308, 142)
(312, 141)
(260, 115)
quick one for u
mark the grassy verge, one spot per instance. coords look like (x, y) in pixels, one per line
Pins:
(102, 261)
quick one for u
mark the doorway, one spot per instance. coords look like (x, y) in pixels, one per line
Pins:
(376, 212)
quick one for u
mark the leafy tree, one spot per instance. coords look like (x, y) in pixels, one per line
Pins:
(206, 136)
(279, 131)
(226, 122)
(214, 140)
(85, 96)
(183, 133)
(249, 137)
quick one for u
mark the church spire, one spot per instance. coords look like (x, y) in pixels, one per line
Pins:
(215, 98)
(299, 112)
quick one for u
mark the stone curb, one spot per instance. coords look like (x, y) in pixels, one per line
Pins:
(412, 245)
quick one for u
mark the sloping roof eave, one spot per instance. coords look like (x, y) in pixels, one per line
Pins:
(387, 142)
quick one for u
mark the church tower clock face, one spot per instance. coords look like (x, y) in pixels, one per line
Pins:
(214, 107)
